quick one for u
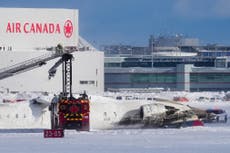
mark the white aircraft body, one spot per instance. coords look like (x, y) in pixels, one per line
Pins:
(105, 113)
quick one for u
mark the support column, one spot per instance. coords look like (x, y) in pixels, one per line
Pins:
(183, 76)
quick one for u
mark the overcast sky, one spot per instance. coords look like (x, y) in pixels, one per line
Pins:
(132, 21)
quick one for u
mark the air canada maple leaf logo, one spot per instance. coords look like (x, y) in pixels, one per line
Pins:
(68, 28)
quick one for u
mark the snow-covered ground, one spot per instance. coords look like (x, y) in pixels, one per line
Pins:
(186, 140)
(212, 138)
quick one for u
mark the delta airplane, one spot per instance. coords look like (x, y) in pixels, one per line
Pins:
(105, 113)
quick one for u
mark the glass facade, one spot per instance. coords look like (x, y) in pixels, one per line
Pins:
(214, 53)
(158, 78)
(210, 78)
(199, 81)
(140, 80)
(149, 62)
(112, 64)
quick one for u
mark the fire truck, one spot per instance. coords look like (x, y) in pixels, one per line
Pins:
(67, 112)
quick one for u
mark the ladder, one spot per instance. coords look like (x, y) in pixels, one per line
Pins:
(26, 65)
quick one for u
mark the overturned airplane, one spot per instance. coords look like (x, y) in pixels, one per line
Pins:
(105, 113)
(158, 113)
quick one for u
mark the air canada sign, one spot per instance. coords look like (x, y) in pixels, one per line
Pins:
(40, 28)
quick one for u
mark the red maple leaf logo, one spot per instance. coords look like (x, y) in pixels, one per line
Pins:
(68, 28)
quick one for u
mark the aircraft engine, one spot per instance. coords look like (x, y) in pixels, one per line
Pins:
(153, 114)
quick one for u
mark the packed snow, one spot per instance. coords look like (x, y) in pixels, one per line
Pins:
(212, 138)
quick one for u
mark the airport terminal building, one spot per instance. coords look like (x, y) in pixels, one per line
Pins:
(170, 65)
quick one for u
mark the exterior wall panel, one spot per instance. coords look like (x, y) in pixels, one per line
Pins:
(33, 28)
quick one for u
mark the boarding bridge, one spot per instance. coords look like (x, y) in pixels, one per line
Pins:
(33, 63)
